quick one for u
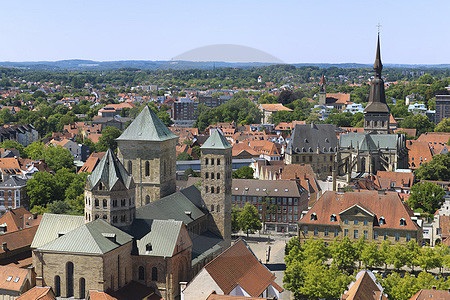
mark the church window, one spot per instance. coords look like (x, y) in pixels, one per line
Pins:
(206, 175)
(105, 217)
(123, 202)
(114, 203)
(57, 286)
(105, 203)
(218, 190)
(147, 168)
(218, 208)
(130, 166)
(218, 161)
(115, 219)
(206, 161)
(82, 287)
(212, 161)
(141, 273)
(212, 207)
(100, 186)
(154, 274)
(69, 279)
(212, 190)
(212, 175)
(147, 199)
(96, 217)
(218, 176)
(206, 189)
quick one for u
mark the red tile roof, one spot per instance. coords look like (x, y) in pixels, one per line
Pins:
(388, 205)
(395, 179)
(274, 107)
(434, 137)
(16, 276)
(239, 266)
(431, 294)
(419, 153)
(97, 295)
(364, 288)
(19, 218)
(38, 293)
(215, 296)
(91, 162)
(339, 98)
(18, 239)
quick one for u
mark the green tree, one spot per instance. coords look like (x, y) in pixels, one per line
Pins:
(443, 126)
(398, 256)
(427, 259)
(437, 169)
(11, 144)
(35, 150)
(244, 172)
(370, 255)
(58, 157)
(426, 79)
(426, 196)
(58, 207)
(359, 246)
(314, 250)
(249, 220)
(398, 288)
(235, 212)
(385, 252)
(107, 140)
(343, 253)
(42, 189)
(420, 122)
(184, 156)
(412, 252)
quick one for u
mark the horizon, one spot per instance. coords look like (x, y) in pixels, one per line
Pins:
(295, 32)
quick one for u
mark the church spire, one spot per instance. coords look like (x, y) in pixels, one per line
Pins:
(378, 66)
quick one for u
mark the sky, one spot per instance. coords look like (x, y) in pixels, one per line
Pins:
(297, 31)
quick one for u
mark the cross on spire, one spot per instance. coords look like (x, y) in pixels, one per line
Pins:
(379, 27)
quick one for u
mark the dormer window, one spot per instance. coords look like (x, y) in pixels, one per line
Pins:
(333, 218)
(313, 217)
(306, 140)
(402, 222)
(148, 247)
(326, 140)
(382, 221)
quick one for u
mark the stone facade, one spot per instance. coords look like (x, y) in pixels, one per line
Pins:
(116, 207)
(216, 189)
(100, 272)
(153, 166)
(321, 163)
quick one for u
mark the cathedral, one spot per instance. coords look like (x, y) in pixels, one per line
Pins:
(375, 149)
(136, 226)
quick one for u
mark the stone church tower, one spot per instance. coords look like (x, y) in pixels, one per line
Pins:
(376, 113)
(322, 91)
(147, 150)
(216, 190)
(109, 193)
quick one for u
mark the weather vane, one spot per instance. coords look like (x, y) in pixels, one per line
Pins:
(379, 27)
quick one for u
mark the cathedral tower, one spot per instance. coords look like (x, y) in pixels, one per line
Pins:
(376, 113)
(147, 150)
(109, 193)
(216, 175)
(322, 91)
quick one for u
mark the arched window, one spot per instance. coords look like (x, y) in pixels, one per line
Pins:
(212, 161)
(82, 288)
(130, 167)
(218, 176)
(147, 199)
(105, 217)
(147, 168)
(218, 161)
(9, 193)
(212, 175)
(206, 161)
(212, 190)
(100, 186)
(218, 208)
(218, 190)
(212, 207)
(96, 217)
(141, 273)
(206, 175)
(57, 286)
(206, 189)
(96, 202)
(105, 203)
(154, 274)
(69, 279)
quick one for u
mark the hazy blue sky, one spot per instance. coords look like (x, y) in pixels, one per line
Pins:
(413, 31)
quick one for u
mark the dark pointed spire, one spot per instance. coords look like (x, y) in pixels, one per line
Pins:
(322, 83)
(378, 66)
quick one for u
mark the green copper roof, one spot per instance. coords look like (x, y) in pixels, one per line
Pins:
(162, 237)
(216, 141)
(147, 127)
(96, 237)
(110, 171)
(52, 224)
(367, 141)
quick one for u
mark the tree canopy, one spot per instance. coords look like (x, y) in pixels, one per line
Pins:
(426, 196)
(436, 169)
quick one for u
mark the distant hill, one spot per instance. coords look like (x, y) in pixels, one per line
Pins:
(84, 65)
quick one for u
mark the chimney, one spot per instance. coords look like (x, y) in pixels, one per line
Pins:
(5, 246)
(434, 287)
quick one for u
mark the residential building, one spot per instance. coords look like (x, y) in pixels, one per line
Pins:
(279, 202)
(417, 108)
(213, 102)
(313, 144)
(365, 287)
(113, 121)
(111, 110)
(442, 108)
(338, 101)
(425, 294)
(418, 153)
(184, 112)
(375, 215)
(434, 138)
(38, 293)
(13, 194)
(24, 134)
(79, 152)
(235, 272)
(268, 109)
(400, 182)
(15, 281)
(354, 108)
